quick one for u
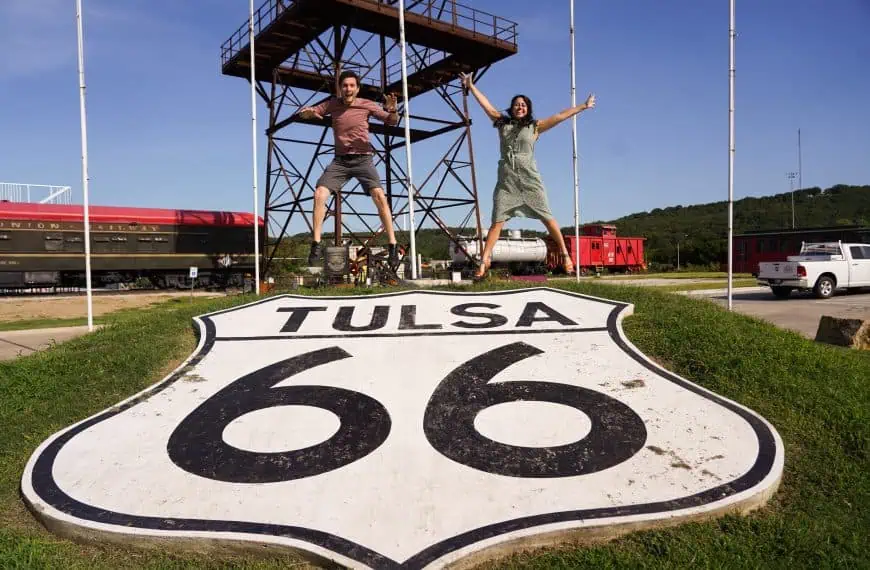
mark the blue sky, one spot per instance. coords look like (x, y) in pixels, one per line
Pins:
(166, 129)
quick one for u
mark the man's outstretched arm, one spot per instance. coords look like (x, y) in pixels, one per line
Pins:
(315, 112)
(388, 113)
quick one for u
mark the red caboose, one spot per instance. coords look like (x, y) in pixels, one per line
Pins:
(599, 249)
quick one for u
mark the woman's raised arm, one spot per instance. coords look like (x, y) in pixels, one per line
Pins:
(550, 122)
(490, 111)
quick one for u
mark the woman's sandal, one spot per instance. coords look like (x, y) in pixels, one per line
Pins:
(567, 264)
(482, 270)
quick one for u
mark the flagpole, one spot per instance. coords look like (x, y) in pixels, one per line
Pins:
(576, 248)
(408, 139)
(731, 35)
(254, 148)
(84, 129)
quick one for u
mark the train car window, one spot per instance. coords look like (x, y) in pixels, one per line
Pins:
(119, 243)
(53, 242)
(74, 243)
(5, 242)
(189, 242)
(101, 244)
(145, 243)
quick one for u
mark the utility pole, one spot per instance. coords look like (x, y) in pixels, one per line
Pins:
(732, 34)
(790, 176)
(800, 168)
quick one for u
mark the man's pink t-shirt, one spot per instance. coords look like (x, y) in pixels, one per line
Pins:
(350, 124)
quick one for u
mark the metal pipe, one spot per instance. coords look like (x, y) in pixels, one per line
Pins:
(412, 228)
(254, 148)
(732, 35)
(576, 248)
(87, 218)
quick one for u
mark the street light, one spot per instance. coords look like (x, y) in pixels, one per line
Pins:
(791, 176)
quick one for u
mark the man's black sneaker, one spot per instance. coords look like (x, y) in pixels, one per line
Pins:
(393, 258)
(315, 255)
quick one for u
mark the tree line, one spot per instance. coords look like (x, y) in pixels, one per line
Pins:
(700, 230)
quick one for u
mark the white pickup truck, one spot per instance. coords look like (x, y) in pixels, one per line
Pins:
(822, 267)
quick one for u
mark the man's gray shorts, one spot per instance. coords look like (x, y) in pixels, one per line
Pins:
(345, 167)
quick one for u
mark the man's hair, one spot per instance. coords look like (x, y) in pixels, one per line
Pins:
(345, 74)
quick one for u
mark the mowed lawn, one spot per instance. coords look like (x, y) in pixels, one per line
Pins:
(816, 396)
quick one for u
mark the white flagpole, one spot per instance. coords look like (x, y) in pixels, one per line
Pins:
(408, 139)
(576, 248)
(731, 35)
(254, 146)
(85, 165)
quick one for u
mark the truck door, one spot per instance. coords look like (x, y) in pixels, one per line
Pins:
(859, 267)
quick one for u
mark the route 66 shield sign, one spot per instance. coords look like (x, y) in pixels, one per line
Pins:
(414, 429)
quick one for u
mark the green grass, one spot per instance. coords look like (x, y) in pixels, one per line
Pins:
(679, 275)
(717, 284)
(815, 395)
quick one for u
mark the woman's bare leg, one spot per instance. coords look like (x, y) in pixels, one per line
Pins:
(491, 238)
(556, 234)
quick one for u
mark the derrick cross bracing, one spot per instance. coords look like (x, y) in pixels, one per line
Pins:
(301, 46)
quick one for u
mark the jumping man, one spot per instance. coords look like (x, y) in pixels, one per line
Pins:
(353, 155)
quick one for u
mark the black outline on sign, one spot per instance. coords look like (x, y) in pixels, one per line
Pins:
(46, 488)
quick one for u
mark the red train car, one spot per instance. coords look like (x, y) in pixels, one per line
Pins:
(599, 248)
(43, 245)
(752, 248)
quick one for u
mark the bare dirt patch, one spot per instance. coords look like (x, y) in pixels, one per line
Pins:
(70, 307)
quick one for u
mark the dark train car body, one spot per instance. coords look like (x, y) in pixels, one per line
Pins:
(42, 245)
(752, 248)
(599, 249)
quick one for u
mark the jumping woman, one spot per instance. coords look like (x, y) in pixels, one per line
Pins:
(519, 190)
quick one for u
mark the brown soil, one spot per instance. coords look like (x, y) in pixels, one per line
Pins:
(67, 307)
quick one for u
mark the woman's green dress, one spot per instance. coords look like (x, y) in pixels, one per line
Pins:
(519, 190)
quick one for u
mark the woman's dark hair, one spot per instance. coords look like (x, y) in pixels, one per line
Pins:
(508, 118)
(345, 74)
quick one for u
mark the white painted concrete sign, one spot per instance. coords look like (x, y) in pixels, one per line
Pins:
(413, 429)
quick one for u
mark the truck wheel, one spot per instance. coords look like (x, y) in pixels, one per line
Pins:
(781, 292)
(824, 288)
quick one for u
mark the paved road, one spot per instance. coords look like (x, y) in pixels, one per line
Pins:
(801, 312)
(22, 343)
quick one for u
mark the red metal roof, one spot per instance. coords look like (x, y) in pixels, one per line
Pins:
(122, 215)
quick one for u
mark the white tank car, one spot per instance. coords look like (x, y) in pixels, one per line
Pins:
(510, 249)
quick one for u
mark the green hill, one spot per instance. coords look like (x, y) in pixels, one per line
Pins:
(702, 230)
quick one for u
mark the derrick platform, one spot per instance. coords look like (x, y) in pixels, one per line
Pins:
(455, 39)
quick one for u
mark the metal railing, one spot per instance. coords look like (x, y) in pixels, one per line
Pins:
(458, 16)
(267, 13)
(41, 193)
